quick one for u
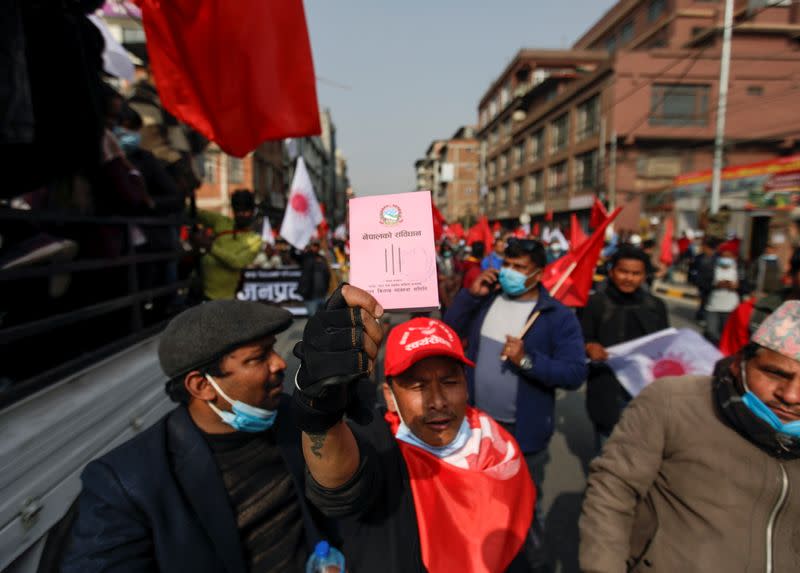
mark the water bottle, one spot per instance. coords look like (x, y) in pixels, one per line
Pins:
(325, 559)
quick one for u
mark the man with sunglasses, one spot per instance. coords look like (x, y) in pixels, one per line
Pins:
(516, 374)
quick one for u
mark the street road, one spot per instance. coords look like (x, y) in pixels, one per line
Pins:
(571, 448)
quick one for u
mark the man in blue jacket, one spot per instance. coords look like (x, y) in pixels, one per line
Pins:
(218, 483)
(515, 378)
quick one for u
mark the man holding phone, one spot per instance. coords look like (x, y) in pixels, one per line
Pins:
(516, 375)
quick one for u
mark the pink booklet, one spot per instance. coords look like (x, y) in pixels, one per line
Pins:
(392, 250)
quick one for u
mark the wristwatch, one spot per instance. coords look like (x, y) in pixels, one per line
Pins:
(526, 363)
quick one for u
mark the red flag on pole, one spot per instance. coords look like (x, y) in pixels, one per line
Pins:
(598, 214)
(569, 279)
(238, 72)
(666, 243)
(439, 221)
(576, 234)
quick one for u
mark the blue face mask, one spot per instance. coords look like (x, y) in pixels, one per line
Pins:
(244, 418)
(513, 282)
(128, 140)
(725, 263)
(405, 434)
(763, 412)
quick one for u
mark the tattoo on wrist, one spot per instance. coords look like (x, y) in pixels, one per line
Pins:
(317, 441)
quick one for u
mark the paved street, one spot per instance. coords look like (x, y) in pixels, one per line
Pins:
(571, 449)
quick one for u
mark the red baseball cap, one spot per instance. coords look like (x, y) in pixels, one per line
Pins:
(419, 338)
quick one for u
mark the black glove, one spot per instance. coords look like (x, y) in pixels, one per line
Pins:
(332, 360)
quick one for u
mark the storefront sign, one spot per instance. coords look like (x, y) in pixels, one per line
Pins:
(773, 184)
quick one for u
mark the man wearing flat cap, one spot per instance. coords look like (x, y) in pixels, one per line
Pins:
(702, 473)
(217, 484)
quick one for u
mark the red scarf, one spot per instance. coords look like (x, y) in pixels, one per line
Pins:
(475, 507)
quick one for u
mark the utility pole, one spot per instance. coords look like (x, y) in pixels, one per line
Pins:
(612, 173)
(722, 104)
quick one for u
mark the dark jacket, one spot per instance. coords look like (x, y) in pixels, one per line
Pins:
(554, 343)
(611, 317)
(158, 503)
(375, 511)
(315, 278)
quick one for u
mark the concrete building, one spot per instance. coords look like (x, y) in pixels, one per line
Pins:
(633, 105)
(428, 171)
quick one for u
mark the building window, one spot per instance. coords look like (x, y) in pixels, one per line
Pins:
(492, 169)
(493, 137)
(516, 192)
(537, 145)
(503, 164)
(210, 160)
(655, 9)
(755, 90)
(559, 133)
(626, 34)
(506, 129)
(519, 153)
(484, 117)
(535, 189)
(502, 198)
(586, 171)
(490, 198)
(676, 104)
(493, 108)
(235, 171)
(611, 44)
(557, 178)
(588, 118)
(505, 95)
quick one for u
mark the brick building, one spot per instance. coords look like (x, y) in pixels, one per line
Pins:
(633, 105)
(450, 170)
(262, 171)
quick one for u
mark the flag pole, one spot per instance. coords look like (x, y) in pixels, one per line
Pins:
(536, 314)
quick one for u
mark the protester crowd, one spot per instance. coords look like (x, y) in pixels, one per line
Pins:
(436, 462)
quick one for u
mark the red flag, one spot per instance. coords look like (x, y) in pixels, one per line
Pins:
(536, 231)
(598, 215)
(497, 227)
(455, 232)
(520, 233)
(480, 231)
(548, 216)
(666, 243)
(576, 234)
(481, 496)
(569, 279)
(238, 72)
(438, 221)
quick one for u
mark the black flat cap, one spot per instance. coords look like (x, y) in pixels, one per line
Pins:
(209, 331)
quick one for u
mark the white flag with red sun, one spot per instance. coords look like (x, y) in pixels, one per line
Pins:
(303, 212)
(669, 352)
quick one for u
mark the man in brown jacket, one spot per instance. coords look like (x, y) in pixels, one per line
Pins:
(703, 473)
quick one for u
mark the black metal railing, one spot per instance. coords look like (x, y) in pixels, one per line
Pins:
(107, 306)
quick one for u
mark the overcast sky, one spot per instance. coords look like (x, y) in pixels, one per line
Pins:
(397, 74)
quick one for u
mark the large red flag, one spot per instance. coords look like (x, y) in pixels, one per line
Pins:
(455, 232)
(238, 72)
(576, 234)
(569, 279)
(439, 221)
(598, 214)
(666, 243)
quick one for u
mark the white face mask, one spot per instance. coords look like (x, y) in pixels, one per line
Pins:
(405, 434)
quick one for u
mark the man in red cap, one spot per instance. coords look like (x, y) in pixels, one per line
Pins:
(428, 484)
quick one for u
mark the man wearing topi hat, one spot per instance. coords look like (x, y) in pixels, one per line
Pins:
(217, 484)
(702, 472)
(428, 484)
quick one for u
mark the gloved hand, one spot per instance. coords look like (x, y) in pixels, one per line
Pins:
(340, 343)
